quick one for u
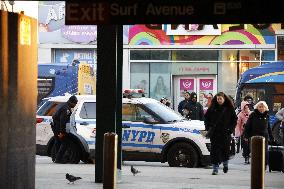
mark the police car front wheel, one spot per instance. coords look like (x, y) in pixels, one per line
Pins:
(182, 155)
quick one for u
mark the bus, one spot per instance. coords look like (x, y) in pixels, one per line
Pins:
(265, 82)
(57, 79)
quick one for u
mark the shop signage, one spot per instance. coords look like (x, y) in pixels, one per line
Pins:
(206, 84)
(186, 84)
(25, 31)
(68, 55)
(55, 13)
(171, 11)
(194, 68)
(79, 33)
(192, 29)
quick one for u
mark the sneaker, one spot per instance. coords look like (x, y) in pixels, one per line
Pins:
(215, 172)
(225, 169)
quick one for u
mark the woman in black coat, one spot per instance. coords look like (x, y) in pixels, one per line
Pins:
(222, 118)
(258, 125)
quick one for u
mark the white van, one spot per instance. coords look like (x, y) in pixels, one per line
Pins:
(151, 132)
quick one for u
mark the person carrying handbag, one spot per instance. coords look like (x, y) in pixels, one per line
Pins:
(220, 115)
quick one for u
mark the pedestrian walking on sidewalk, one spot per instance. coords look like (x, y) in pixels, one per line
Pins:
(239, 130)
(60, 118)
(220, 121)
(258, 125)
(280, 116)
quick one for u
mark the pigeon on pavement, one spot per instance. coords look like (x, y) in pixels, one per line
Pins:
(72, 178)
(134, 171)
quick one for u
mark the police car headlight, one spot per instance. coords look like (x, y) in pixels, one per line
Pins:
(203, 133)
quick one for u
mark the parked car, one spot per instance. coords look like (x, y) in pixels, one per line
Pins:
(151, 132)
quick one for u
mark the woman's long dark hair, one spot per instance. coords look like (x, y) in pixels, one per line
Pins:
(227, 103)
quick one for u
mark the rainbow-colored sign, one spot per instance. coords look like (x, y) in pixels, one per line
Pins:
(145, 35)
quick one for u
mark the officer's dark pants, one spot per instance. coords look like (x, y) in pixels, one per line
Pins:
(64, 143)
(57, 144)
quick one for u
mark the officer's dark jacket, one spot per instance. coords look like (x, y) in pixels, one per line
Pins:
(195, 110)
(61, 117)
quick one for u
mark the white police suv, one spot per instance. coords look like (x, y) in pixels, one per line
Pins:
(151, 132)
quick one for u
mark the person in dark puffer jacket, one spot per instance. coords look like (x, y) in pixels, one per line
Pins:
(258, 125)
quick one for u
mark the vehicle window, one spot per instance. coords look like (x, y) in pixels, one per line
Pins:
(48, 108)
(257, 93)
(45, 86)
(273, 94)
(88, 110)
(133, 112)
(166, 113)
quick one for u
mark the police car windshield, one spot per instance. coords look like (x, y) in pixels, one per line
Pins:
(48, 108)
(166, 113)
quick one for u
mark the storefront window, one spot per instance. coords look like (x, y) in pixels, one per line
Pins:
(267, 56)
(150, 55)
(280, 47)
(68, 55)
(197, 55)
(160, 78)
(139, 77)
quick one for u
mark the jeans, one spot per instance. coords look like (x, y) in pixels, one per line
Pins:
(216, 166)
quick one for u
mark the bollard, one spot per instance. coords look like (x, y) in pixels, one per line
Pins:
(110, 161)
(257, 162)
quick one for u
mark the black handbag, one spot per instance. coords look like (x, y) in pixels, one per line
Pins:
(232, 147)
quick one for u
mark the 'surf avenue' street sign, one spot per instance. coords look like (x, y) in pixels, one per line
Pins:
(172, 11)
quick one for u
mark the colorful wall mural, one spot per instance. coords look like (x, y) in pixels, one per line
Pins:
(145, 35)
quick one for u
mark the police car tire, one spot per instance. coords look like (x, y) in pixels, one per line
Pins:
(185, 148)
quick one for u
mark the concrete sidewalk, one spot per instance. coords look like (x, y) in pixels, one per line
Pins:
(153, 175)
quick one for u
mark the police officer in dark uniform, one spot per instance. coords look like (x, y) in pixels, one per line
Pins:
(60, 118)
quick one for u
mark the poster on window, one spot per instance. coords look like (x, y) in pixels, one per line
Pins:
(206, 87)
(160, 85)
(186, 85)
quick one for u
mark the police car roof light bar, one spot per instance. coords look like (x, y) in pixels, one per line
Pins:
(133, 93)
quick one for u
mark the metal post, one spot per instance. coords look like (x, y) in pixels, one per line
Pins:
(110, 161)
(257, 162)
(109, 83)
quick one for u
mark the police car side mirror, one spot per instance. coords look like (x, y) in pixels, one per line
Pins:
(150, 120)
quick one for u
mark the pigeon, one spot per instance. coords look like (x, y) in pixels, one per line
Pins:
(72, 178)
(134, 171)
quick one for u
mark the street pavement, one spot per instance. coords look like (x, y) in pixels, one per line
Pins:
(152, 176)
